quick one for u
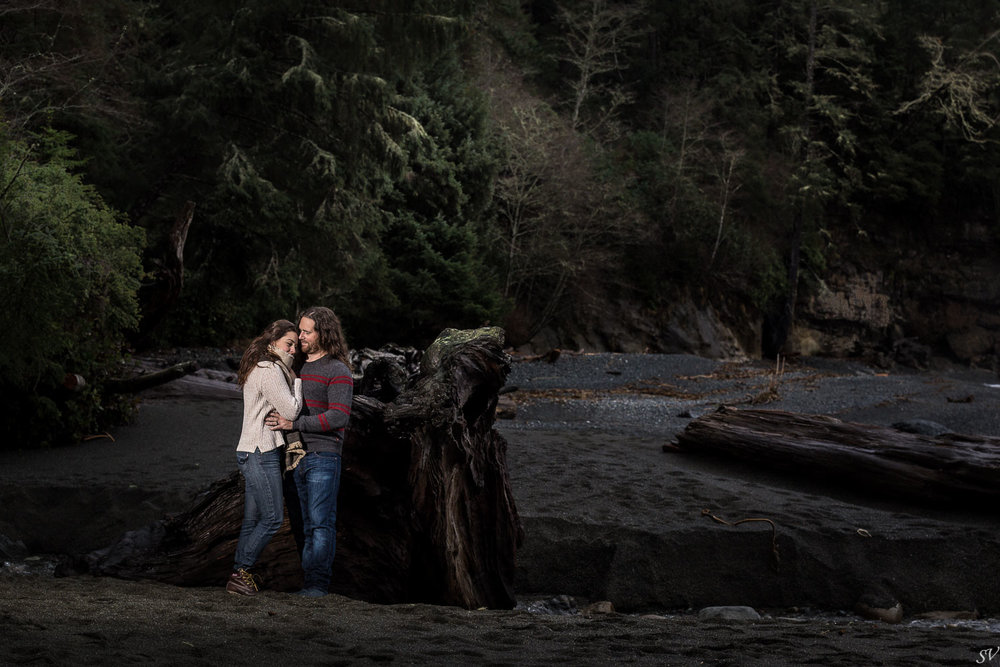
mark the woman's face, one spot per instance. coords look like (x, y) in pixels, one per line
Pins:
(286, 342)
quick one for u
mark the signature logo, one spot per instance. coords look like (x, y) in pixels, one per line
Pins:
(987, 655)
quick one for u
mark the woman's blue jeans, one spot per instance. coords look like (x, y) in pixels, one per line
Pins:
(317, 483)
(263, 504)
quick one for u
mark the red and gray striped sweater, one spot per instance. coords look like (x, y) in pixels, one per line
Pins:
(327, 392)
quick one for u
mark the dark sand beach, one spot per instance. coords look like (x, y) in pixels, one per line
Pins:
(608, 516)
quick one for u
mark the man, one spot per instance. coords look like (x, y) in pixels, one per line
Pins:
(327, 392)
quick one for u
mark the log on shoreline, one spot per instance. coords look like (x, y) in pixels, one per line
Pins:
(951, 469)
(425, 512)
(134, 385)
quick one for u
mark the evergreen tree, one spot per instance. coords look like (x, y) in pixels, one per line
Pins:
(823, 89)
(296, 127)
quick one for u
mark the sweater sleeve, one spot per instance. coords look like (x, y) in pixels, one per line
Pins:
(335, 412)
(274, 387)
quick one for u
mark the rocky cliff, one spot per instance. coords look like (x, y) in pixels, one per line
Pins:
(900, 301)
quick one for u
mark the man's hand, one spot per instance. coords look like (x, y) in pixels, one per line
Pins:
(276, 422)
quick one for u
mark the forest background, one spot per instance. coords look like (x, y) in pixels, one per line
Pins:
(182, 173)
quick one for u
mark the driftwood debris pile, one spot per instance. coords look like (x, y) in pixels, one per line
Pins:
(425, 511)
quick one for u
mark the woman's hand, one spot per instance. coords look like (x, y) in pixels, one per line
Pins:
(276, 422)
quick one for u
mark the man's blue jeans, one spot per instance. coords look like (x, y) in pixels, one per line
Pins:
(263, 504)
(317, 483)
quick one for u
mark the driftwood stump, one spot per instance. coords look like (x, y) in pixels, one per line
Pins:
(425, 512)
(949, 469)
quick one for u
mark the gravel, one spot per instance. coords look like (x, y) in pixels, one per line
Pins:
(659, 394)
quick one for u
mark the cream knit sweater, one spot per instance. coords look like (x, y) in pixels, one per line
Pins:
(266, 388)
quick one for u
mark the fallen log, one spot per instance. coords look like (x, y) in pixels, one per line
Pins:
(951, 468)
(139, 383)
(425, 511)
(199, 385)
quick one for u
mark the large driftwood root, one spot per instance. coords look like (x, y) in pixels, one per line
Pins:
(425, 511)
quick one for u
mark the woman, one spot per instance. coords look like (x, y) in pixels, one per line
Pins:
(269, 383)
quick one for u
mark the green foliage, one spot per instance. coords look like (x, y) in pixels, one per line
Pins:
(338, 154)
(70, 269)
(436, 271)
(513, 30)
(301, 130)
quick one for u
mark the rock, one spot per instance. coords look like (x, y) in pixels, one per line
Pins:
(560, 605)
(729, 613)
(682, 323)
(12, 549)
(911, 353)
(892, 614)
(602, 607)
(879, 606)
(973, 344)
(506, 407)
(860, 299)
(842, 315)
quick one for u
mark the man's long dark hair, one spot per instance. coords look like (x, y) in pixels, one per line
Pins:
(258, 350)
(331, 335)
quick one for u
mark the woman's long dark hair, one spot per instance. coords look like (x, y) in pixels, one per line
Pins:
(258, 351)
(331, 335)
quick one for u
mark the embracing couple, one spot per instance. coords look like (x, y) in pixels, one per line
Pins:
(294, 423)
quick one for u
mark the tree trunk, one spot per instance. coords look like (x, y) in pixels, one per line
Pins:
(949, 469)
(425, 511)
(159, 297)
(779, 325)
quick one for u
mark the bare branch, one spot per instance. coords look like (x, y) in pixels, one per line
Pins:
(596, 39)
(960, 92)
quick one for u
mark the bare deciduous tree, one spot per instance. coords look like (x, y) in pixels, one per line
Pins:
(686, 125)
(519, 190)
(597, 37)
(728, 186)
(557, 225)
(697, 141)
(60, 56)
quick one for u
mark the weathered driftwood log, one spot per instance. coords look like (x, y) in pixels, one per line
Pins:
(951, 468)
(425, 511)
(138, 383)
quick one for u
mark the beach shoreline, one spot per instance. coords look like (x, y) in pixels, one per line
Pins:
(608, 516)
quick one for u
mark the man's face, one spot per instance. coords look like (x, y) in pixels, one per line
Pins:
(308, 337)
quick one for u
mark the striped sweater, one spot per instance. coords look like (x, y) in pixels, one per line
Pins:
(327, 391)
(266, 387)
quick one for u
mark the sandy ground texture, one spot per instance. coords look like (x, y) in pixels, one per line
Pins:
(84, 620)
(608, 516)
